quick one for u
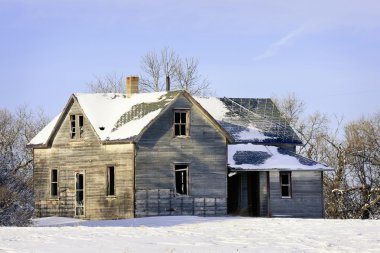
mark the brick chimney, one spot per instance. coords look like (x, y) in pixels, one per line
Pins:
(132, 85)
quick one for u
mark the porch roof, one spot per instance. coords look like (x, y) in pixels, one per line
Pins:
(251, 157)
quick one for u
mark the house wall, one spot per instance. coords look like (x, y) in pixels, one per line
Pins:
(157, 152)
(306, 200)
(91, 157)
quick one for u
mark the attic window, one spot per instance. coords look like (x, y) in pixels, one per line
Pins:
(76, 123)
(80, 121)
(181, 123)
(72, 127)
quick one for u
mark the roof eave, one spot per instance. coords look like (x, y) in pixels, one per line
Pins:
(277, 169)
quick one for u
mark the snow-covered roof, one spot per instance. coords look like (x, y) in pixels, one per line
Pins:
(260, 157)
(250, 120)
(43, 136)
(114, 116)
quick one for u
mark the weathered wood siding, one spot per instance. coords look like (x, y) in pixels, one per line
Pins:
(306, 200)
(87, 155)
(204, 150)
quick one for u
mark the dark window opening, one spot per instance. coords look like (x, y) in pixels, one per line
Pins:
(54, 182)
(76, 126)
(72, 126)
(181, 179)
(111, 181)
(286, 186)
(80, 121)
(181, 124)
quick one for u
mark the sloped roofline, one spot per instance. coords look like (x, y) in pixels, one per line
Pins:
(194, 102)
(69, 103)
(73, 98)
(59, 122)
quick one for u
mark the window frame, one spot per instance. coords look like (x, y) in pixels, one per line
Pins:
(108, 184)
(55, 183)
(76, 126)
(288, 185)
(186, 169)
(187, 123)
(73, 127)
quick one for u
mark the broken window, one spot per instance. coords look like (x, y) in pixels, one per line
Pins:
(80, 121)
(54, 182)
(181, 178)
(79, 192)
(286, 184)
(111, 181)
(72, 127)
(76, 123)
(181, 123)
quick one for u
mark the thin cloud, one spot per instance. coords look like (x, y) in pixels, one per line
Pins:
(275, 47)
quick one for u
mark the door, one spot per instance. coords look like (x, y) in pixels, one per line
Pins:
(79, 194)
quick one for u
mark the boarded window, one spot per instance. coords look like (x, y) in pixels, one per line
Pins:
(111, 181)
(54, 183)
(72, 126)
(286, 184)
(181, 123)
(181, 179)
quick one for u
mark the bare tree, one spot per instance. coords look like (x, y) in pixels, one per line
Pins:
(352, 190)
(16, 196)
(109, 83)
(158, 70)
(151, 66)
(189, 79)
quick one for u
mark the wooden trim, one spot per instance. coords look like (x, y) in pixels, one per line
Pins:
(187, 177)
(187, 123)
(268, 197)
(51, 182)
(289, 174)
(322, 196)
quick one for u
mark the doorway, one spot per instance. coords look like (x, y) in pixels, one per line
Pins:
(244, 194)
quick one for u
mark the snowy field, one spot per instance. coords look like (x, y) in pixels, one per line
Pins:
(193, 234)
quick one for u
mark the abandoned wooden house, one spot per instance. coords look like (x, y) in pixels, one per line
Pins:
(109, 156)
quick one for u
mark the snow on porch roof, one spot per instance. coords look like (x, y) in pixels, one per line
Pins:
(260, 157)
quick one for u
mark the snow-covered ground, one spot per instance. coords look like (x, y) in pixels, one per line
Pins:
(193, 234)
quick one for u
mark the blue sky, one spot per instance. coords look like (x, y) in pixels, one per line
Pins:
(326, 52)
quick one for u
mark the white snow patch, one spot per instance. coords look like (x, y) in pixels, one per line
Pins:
(196, 234)
(252, 133)
(213, 106)
(104, 110)
(43, 136)
(276, 161)
(133, 127)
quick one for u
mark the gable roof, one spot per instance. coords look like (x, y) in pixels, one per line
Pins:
(251, 157)
(250, 120)
(114, 117)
